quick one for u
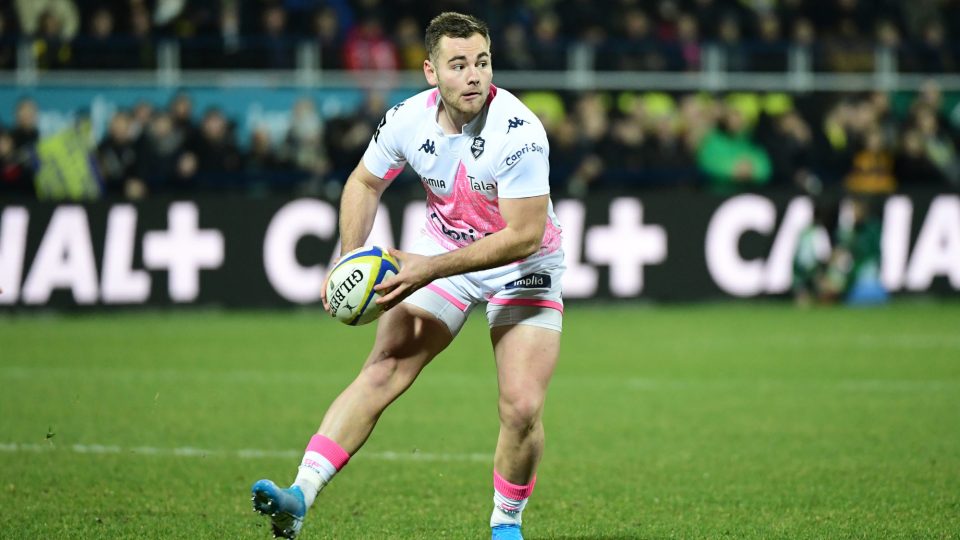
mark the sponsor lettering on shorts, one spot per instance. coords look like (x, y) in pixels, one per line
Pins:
(532, 281)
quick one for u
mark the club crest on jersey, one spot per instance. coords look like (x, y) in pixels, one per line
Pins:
(477, 147)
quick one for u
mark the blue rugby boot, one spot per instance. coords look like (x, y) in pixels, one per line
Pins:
(507, 532)
(285, 507)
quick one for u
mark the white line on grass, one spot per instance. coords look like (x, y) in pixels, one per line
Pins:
(245, 453)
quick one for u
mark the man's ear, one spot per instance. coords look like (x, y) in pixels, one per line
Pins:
(430, 72)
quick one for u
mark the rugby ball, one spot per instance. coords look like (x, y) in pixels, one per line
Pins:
(350, 284)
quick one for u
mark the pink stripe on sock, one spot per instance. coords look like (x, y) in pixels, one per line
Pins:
(527, 302)
(512, 491)
(337, 456)
(449, 297)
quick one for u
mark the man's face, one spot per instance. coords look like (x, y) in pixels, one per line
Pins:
(462, 71)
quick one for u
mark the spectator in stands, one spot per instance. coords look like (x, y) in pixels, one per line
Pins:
(275, 49)
(216, 150)
(687, 46)
(409, 38)
(8, 42)
(180, 109)
(16, 172)
(367, 48)
(348, 136)
(51, 50)
(328, 36)
(638, 49)
(804, 37)
(161, 161)
(304, 145)
(770, 52)
(521, 57)
(64, 11)
(117, 158)
(848, 50)
(708, 13)
(666, 20)
(622, 152)
(887, 36)
(140, 118)
(229, 49)
(98, 47)
(699, 114)
(730, 158)
(912, 165)
(789, 142)
(25, 132)
(549, 51)
(933, 53)
(730, 41)
(888, 124)
(262, 158)
(591, 123)
(939, 147)
(143, 49)
(872, 169)
(930, 95)
(582, 20)
(668, 157)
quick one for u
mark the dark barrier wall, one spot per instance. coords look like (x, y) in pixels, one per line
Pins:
(240, 252)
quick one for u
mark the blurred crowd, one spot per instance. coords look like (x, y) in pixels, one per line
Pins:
(864, 143)
(754, 35)
(858, 143)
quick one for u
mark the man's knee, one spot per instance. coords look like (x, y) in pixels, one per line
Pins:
(520, 413)
(382, 371)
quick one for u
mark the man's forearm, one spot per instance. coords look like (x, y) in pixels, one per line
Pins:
(498, 249)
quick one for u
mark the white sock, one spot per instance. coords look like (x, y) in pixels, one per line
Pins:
(315, 472)
(506, 511)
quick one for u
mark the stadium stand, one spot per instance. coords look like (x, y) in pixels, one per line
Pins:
(605, 137)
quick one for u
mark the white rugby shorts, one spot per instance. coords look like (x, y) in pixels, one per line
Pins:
(529, 298)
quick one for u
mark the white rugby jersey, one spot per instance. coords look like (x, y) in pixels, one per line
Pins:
(502, 153)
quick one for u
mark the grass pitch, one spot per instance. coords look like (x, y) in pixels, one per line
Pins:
(721, 421)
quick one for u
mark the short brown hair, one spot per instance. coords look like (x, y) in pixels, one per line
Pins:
(454, 25)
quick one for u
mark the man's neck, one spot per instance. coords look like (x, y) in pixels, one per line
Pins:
(450, 121)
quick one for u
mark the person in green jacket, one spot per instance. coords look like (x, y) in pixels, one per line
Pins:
(730, 159)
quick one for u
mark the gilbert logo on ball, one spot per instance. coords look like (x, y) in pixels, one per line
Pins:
(350, 285)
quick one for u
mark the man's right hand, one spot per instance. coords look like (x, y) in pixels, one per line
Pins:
(323, 288)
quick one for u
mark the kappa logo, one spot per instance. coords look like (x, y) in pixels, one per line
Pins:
(533, 281)
(477, 147)
(397, 107)
(428, 147)
(515, 123)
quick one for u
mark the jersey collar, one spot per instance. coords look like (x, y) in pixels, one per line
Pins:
(471, 128)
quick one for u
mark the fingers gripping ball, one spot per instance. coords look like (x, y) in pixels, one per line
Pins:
(350, 286)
